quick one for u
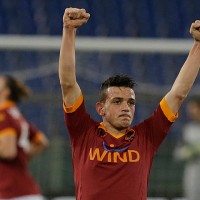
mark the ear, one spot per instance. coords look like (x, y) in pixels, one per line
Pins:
(100, 108)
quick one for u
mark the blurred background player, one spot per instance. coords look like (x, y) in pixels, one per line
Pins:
(19, 142)
(189, 150)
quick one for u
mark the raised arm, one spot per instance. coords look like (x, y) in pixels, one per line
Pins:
(188, 72)
(72, 19)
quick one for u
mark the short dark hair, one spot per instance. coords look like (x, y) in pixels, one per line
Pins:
(18, 89)
(115, 81)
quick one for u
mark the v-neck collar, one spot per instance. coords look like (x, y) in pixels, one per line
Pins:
(101, 126)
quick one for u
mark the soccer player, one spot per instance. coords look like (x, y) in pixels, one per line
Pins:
(112, 160)
(19, 142)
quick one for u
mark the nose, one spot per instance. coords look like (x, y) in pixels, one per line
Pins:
(125, 107)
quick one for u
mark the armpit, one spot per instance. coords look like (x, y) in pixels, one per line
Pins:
(75, 106)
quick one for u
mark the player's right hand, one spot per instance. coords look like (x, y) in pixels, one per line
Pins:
(74, 17)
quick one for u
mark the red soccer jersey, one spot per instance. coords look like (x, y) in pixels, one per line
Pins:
(15, 179)
(106, 167)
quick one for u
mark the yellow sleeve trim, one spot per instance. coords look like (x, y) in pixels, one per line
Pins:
(167, 111)
(8, 131)
(37, 139)
(74, 107)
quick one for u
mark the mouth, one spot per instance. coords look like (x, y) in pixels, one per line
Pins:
(125, 116)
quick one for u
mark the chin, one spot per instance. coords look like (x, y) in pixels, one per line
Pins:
(126, 125)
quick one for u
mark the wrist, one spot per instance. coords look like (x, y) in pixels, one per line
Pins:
(197, 41)
(69, 30)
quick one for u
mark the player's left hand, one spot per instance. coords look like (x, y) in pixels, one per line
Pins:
(195, 30)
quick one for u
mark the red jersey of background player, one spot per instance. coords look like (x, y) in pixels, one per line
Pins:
(108, 167)
(15, 179)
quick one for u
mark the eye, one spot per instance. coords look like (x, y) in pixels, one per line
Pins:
(131, 102)
(116, 101)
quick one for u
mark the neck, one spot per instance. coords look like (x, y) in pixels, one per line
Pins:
(114, 131)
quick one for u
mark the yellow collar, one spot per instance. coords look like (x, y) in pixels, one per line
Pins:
(7, 104)
(101, 126)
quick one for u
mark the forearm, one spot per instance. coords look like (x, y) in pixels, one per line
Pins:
(67, 70)
(185, 79)
(72, 19)
(37, 147)
(34, 150)
(67, 57)
(189, 72)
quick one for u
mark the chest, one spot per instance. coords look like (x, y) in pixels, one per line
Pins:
(99, 150)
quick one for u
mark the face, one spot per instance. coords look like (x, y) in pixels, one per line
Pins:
(119, 108)
(4, 92)
(2, 82)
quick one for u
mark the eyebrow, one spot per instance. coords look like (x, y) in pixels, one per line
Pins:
(121, 98)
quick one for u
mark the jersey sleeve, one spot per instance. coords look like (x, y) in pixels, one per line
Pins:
(77, 120)
(156, 127)
(167, 111)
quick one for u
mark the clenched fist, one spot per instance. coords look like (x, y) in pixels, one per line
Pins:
(195, 30)
(74, 17)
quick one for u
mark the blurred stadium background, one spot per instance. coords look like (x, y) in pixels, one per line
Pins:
(27, 26)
